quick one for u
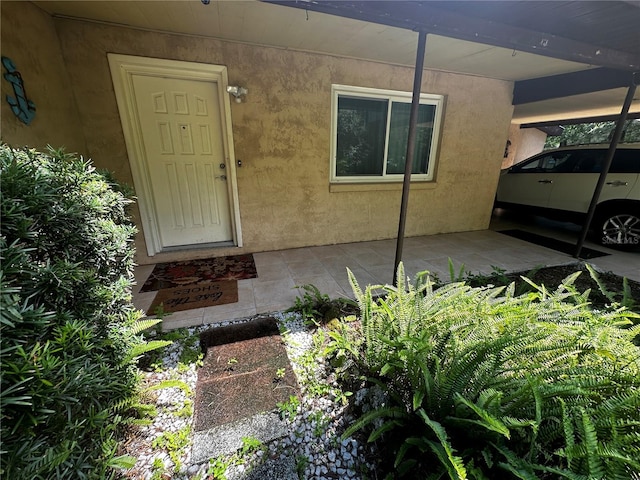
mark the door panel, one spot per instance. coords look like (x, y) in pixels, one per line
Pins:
(525, 189)
(184, 156)
(573, 192)
(534, 182)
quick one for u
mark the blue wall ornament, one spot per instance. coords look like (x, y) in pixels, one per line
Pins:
(22, 107)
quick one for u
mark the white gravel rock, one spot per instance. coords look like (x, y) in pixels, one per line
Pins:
(315, 429)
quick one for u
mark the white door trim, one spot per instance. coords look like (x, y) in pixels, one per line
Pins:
(123, 67)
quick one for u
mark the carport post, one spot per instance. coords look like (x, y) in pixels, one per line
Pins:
(617, 133)
(411, 147)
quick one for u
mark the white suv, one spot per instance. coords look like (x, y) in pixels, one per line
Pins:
(562, 182)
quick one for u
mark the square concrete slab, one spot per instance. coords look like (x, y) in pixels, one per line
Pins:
(248, 374)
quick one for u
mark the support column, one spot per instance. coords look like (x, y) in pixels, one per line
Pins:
(411, 146)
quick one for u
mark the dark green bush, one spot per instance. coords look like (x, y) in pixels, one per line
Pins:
(67, 324)
(481, 383)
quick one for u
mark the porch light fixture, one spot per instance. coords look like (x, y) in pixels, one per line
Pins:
(238, 92)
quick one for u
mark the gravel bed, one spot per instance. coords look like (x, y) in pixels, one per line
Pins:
(314, 441)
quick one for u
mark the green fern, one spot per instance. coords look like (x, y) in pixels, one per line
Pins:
(142, 348)
(528, 386)
(145, 324)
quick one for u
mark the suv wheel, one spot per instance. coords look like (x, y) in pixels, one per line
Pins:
(619, 229)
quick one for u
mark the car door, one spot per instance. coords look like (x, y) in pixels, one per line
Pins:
(573, 191)
(531, 182)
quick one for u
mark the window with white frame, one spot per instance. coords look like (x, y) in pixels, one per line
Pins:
(370, 129)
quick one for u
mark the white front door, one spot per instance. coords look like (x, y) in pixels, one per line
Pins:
(177, 125)
(182, 138)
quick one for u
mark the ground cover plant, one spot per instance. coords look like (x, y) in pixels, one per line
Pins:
(480, 383)
(605, 288)
(70, 335)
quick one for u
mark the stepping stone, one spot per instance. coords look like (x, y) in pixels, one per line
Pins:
(226, 439)
(246, 373)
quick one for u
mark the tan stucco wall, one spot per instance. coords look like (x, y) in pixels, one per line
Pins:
(282, 134)
(525, 142)
(29, 39)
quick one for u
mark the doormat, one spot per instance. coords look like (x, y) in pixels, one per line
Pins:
(194, 296)
(553, 244)
(178, 274)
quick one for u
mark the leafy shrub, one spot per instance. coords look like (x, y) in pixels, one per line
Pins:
(481, 383)
(316, 307)
(68, 328)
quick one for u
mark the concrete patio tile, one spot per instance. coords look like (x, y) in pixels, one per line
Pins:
(274, 293)
(142, 301)
(267, 258)
(424, 252)
(342, 274)
(309, 268)
(372, 263)
(297, 255)
(338, 265)
(372, 259)
(273, 271)
(326, 252)
(381, 274)
(385, 248)
(503, 260)
(625, 265)
(326, 284)
(436, 240)
(352, 249)
(413, 267)
(140, 274)
(413, 242)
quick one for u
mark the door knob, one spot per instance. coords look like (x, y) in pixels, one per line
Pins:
(221, 177)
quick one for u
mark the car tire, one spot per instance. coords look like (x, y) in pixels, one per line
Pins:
(619, 228)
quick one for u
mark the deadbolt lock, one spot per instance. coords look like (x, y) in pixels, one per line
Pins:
(222, 166)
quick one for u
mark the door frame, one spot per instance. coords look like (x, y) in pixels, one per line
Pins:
(123, 67)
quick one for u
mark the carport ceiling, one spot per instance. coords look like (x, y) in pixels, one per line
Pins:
(506, 40)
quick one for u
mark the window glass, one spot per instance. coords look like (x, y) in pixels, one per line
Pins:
(399, 134)
(550, 163)
(556, 162)
(370, 133)
(360, 136)
(626, 161)
(589, 161)
(528, 167)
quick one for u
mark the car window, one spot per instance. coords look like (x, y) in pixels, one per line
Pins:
(548, 163)
(588, 161)
(626, 161)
